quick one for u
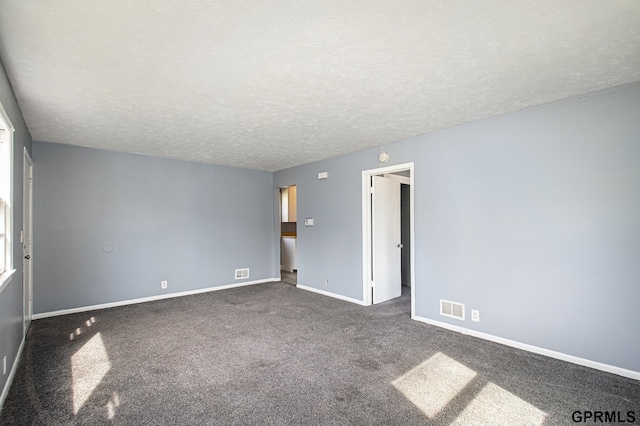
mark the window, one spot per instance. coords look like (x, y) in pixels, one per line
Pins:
(6, 182)
(3, 237)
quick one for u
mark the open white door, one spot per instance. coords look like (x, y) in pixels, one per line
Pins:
(386, 237)
(27, 240)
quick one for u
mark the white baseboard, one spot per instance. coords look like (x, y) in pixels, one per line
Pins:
(535, 349)
(12, 374)
(148, 299)
(334, 295)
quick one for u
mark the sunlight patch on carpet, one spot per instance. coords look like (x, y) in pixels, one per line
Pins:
(78, 331)
(495, 405)
(433, 384)
(112, 404)
(89, 365)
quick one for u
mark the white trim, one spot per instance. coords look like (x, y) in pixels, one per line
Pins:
(5, 121)
(535, 349)
(6, 278)
(5, 117)
(147, 299)
(12, 374)
(366, 239)
(27, 287)
(334, 295)
(366, 229)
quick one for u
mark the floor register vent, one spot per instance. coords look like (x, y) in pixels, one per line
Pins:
(452, 309)
(242, 273)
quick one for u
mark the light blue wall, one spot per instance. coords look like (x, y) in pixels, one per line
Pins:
(533, 218)
(11, 303)
(189, 223)
(332, 248)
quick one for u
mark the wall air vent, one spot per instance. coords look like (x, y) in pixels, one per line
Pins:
(242, 273)
(452, 309)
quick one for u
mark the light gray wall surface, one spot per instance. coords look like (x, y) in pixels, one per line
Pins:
(11, 302)
(533, 218)
(189, 223)
(332, 248)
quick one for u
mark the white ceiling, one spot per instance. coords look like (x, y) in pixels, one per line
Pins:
(272, 84)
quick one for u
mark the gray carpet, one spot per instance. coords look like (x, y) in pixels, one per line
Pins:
(272, 354)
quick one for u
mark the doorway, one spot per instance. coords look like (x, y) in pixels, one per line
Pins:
(388, 255)
(27, 241)
(289, 234)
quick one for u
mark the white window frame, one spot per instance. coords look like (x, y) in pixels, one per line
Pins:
(4, 265)
(6, 197)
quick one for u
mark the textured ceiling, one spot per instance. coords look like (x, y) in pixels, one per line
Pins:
(272, 84)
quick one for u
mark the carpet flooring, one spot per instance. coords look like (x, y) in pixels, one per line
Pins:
(272, 354)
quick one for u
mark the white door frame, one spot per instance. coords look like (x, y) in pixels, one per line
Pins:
(27, 214)
(278, 197)
(367, 283)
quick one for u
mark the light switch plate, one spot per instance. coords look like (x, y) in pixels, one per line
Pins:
(308, 221)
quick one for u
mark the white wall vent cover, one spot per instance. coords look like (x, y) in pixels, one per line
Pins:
(242, 273)
(452, 309)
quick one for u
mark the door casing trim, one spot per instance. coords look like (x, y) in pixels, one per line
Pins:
(366, 229)
(27, 287)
